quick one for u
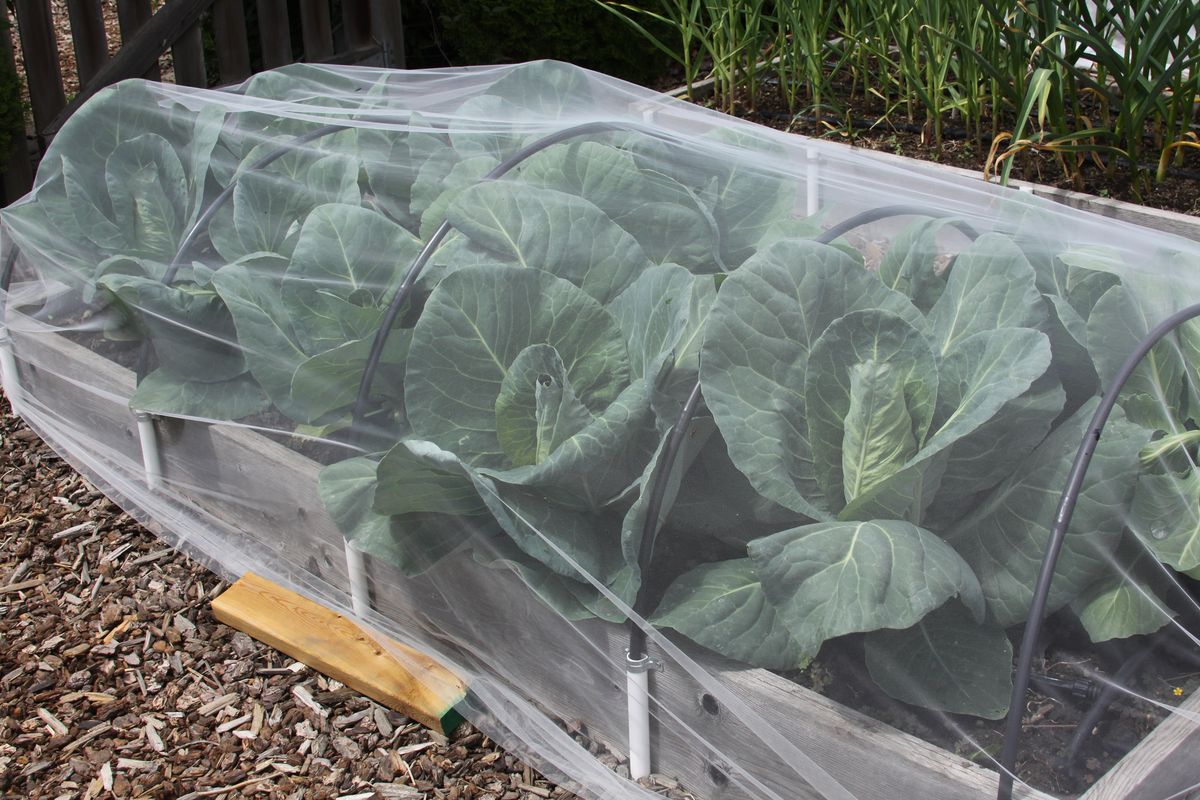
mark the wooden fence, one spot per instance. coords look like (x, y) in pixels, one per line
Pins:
(332, 31)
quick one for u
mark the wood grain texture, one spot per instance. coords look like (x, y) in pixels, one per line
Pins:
(1166, 764)
(506, 631)
(391, 673)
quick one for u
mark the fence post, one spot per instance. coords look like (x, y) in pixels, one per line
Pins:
(318, 32)
(389, 31)
(132, 15)
(40, 50)
(18, 170)
(274, 29)
(87, 31)
(229, 31)
(187, 55)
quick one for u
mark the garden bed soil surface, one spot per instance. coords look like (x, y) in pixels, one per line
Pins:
(875, 129)
(116, 681)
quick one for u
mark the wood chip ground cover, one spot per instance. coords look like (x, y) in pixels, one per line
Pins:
(115, 680)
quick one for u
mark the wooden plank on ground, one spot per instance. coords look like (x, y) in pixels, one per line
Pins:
(1166, 764)
(395, 675)
(89, 37)
(275, 32)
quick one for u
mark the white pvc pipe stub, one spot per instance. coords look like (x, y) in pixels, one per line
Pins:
(8, 372)
(356, 568)
(151, 458)
(637, 693)
(812, 182)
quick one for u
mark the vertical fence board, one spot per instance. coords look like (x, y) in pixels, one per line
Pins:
(87, 31)
(188, 57)
(132, 15)
(40, 50)
(229, 31)
(275, 32)
(356, 23)
(318, 32)
(389, 31)
(18, 171)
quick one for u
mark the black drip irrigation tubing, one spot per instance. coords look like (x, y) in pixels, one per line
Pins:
(661, 478)
(1106, 695)
(1062, 520)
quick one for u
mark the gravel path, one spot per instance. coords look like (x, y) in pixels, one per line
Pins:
(115, 680)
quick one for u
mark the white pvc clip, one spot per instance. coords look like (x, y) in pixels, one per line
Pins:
(356, 568)
(637, 691)
(9, 379)
(151, 458)
(812, 182)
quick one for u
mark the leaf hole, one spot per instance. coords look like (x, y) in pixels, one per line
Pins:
(545, 380)
(709, 704)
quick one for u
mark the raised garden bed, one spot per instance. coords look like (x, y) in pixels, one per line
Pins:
(246, 499)
(293, 540)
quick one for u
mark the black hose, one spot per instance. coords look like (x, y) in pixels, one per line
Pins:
(1066, 507)
(404, 291)
(832, 233)
(658, 492)
(1107, 695)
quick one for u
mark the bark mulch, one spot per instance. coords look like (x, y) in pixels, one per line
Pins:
(115, 680)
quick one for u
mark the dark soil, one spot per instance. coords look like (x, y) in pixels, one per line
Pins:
(867, 124)
(1047, 758)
